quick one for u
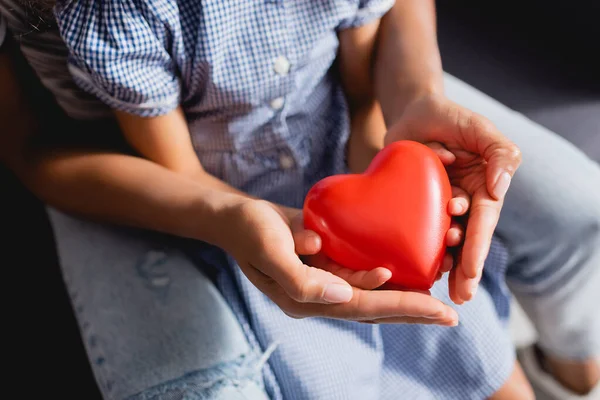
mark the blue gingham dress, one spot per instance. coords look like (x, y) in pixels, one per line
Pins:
(258, 85)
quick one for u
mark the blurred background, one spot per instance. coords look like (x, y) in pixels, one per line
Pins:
(540, 58)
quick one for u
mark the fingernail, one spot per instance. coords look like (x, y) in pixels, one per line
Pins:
(502, 185)
(386, 275)
(336, 293)
(316, 239)
(453, 316)
(458, 207)
(473, 287)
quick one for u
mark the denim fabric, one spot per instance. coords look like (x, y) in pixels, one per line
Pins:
(153, 325)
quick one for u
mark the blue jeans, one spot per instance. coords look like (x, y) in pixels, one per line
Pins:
(153, 325)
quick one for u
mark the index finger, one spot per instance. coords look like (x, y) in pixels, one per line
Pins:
(371, 305)
(501, 154)
(481, 224)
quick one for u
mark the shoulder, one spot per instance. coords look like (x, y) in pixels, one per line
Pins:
(118, 51)
(114, 25)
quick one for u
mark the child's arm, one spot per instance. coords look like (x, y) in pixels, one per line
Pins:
(113, 187)
(166, 140)
(355, 60)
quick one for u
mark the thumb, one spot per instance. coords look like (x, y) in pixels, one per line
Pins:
(303, 283)
(503, 159)
(306, 242)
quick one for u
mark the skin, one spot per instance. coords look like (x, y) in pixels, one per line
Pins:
(579, 376)
(401, 74)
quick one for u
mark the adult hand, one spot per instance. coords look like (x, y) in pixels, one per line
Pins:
(366, 140)
(482, 162)
(267, 245)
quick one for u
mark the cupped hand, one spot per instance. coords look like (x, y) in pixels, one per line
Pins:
(270, 245)
(480, 161)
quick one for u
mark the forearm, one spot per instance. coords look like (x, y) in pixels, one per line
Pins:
(408, 63)
(215, 183)
(367, 132)
(125, 190)
(383, 66)
(355, 61)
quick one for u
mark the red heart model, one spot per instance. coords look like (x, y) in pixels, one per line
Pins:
(395, 215)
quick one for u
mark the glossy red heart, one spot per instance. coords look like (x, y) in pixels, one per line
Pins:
(394, 215)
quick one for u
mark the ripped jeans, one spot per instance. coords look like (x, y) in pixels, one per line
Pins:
(187, 344)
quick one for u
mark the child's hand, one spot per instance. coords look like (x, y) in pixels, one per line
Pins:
(308, 246)
(259, 236)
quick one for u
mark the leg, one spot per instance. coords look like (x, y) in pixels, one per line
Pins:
(516, 387)
(579, 376)
(551, 226)
(154, 326)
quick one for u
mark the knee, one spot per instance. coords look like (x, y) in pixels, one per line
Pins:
(578, 225)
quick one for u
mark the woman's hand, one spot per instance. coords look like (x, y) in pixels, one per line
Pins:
(480, 161)
(268, 244)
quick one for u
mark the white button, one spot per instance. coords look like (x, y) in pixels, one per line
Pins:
(277, 104)
(286, 162)
(281, 65)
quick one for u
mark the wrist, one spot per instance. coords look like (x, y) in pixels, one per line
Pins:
(224, 213)
(207, 217)
(410, 92)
